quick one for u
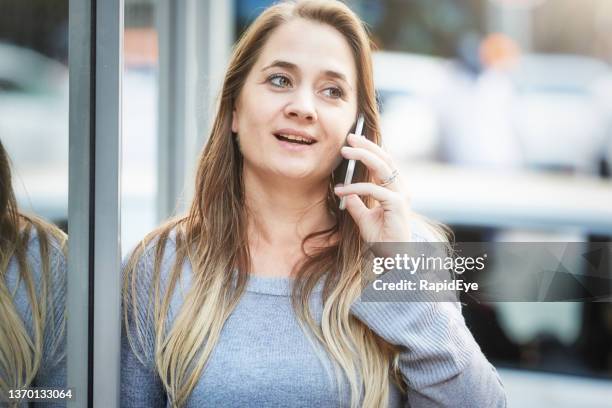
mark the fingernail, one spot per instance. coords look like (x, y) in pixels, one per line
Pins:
(338, 187)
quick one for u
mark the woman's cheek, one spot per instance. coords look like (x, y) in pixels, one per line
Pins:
(335, 157)
(337, 160)
(341, 141)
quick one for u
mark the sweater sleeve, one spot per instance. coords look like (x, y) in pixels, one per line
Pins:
(440, 361)
(141, 386)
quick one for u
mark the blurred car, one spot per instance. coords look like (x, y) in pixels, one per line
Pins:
(561, 113)
(433, 109)
(34, 129)
(407, 86)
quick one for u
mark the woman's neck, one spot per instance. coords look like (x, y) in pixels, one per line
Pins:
(282, 214)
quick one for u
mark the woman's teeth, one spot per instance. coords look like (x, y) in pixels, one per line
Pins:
(294, 139)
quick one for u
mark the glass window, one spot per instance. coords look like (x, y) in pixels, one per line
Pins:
(33, 195)
(140, 123)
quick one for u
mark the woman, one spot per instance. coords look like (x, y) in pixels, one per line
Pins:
(251, 298)
(32, 293)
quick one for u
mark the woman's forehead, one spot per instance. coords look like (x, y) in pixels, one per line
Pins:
(309, 46)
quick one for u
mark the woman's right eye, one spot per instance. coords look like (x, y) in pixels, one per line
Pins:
(280, 81)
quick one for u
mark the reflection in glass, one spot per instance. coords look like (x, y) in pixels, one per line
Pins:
(33, 196)
(32, 296)
(34, 129)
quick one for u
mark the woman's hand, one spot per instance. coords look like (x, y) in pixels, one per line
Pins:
(389, 219)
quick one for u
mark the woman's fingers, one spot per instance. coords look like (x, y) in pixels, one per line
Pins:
(374, 158)
(385, 196)
(356, 207)
(367, 144)
(379, 169)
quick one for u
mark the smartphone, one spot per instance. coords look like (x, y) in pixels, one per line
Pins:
(350, 169)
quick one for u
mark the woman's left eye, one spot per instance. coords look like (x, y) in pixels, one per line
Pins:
(333, 92)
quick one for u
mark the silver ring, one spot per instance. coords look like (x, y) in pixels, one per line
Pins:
(390, 179)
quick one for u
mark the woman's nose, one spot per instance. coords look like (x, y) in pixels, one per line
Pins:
(302, 107)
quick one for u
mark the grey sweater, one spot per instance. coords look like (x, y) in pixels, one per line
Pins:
(264, 359)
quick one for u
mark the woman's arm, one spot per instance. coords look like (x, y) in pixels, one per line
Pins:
(140, 384)
(440, 362)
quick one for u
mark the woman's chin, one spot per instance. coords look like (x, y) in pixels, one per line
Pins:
(303, 171)
(300, 173)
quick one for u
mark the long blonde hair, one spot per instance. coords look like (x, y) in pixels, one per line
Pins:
(21, 354)
(212, 236)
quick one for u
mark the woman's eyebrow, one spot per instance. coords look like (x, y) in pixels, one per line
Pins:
(338, 75)
(293, 67)
(281, 64)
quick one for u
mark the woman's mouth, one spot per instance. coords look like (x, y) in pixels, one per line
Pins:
(293, 139)
(294, 143)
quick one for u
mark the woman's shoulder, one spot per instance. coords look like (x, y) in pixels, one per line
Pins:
(42, 241)
(152, 245)
(44, 248)
(150, 268)
(156, 249)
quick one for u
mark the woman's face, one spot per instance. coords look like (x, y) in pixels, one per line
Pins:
(303, 86)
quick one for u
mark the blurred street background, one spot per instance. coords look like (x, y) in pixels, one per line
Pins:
(498, 112)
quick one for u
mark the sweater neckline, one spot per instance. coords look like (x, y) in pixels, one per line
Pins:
(273, 285)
